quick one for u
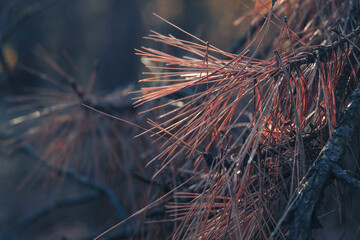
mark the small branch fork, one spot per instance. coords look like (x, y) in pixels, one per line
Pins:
(66, 202)
(80, 179)
(322, 51)
(299, 212)
(344, 176)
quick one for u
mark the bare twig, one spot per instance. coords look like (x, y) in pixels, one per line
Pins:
(151, 181)
(111, 104)
(80, 179)
(4, 64)
(31, 218)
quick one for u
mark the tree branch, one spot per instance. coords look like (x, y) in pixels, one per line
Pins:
(151, 181)
(340, 174)
(300, 210)
(29, 219)
(323, 51)
(80, 179)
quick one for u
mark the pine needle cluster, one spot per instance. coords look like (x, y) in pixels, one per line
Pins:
(246, 127)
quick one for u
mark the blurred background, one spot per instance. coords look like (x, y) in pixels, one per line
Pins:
(107, 32)
(57, 182)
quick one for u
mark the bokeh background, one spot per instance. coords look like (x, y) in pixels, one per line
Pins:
(85, 36)
(107, 32)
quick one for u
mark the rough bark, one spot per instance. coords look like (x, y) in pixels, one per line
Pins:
(299, 214)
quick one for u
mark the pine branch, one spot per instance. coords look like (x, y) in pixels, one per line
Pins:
(321, 52)
(301, 209)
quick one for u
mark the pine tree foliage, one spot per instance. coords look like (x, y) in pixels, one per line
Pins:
(251, 124)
